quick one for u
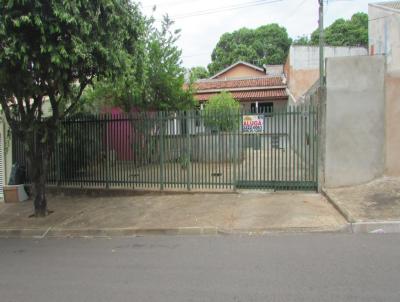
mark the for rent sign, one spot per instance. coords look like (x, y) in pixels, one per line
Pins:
(253, 124)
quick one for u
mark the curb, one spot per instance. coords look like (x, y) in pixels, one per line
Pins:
(376, 227)
(23, 233)
(121, 232)
(346, 214)
(364, 227)
(184, 231)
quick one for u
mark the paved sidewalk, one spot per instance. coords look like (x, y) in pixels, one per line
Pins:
(153, 213)
(371, 207)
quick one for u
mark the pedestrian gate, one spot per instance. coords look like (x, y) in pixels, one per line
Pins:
(275, 150)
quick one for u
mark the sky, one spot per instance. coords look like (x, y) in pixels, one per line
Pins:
(201, 30)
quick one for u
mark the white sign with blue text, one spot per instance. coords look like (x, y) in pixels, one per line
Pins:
(253, 124)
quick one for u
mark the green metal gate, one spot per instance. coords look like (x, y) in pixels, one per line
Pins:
(275, 150)
(282, 153)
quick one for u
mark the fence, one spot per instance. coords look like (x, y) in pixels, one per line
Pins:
(275, 150)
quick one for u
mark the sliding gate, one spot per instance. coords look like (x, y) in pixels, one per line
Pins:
(279, 150)
(187, 150)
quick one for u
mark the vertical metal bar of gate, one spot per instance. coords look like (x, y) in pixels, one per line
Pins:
(189, 167)
(161, 134)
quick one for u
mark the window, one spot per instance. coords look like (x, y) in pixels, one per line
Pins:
(262, 107)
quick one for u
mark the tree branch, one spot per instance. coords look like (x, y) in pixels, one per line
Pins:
(74, 103)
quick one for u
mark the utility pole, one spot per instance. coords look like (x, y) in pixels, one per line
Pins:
(321, 43)
(322, 102)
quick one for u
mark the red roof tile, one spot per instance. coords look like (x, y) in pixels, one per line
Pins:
(244, 83)
(248, 95)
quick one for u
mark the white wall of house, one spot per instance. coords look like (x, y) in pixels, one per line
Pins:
(5, 156)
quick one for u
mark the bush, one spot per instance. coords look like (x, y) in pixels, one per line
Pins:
(221, 112)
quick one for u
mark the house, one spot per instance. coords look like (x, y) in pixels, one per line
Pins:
(257, 89)
(384, 32)
(384, 40)
(302, 66)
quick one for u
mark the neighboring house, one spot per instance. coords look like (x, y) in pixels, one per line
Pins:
(384, 39)
(302, 66)
(257, 89)
(384, 32)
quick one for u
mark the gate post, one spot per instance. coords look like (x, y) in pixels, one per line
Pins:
(107, 153)
(58, 168)
(321, 143)
(189, 170)
(160, 116)
(234, 160)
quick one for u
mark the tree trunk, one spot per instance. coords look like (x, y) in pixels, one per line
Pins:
(39, 168)
(38, 161)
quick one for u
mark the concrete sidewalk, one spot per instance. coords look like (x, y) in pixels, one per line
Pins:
(371, 207)
(156, 213)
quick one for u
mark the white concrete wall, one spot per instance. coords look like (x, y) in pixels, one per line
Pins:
(5, 153)
(384, 34)
(355, 120)
(303, 65)
(307, 57)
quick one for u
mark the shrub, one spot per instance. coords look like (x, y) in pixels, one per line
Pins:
(221, 112)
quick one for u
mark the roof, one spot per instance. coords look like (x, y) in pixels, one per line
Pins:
(258, 88)
(393, 5)
(249, 95)
(234, 65)
(239, 83)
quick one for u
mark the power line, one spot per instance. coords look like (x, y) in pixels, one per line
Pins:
(170, 3)
(296, 9)
(224, 9)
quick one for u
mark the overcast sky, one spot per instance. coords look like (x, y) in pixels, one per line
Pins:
(200, 33)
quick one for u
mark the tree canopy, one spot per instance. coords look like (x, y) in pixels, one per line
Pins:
(50, 51)
(353, 32)
(198, 72)
(267, 44)
(153, 80)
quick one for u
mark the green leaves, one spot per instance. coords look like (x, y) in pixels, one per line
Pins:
(198, 72)
(268, 44)
(51, 45)
(221, 112)
(353, 32)
(152, 77)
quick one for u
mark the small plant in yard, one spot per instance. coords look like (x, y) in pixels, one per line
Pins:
(184, 161)
(221, 112)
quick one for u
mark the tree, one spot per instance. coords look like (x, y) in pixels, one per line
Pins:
(268, 44)
(198, 72)
(154, 79)
(221, 112)
(166, 76)
(302, 40)
(353, 32)
(50, 51)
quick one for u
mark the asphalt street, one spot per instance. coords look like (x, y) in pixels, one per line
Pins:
(301, 267)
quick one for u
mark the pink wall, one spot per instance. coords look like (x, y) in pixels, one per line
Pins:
(120, 134)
